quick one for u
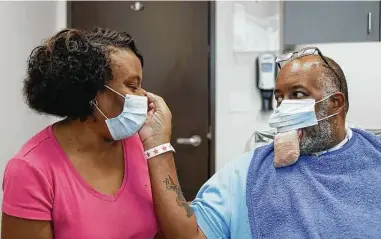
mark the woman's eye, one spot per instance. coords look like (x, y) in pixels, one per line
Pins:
(134, 88)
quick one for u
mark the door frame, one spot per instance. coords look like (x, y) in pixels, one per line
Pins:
(212, 87)
(211, 77)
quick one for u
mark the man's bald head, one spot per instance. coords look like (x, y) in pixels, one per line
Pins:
(309, 77)
(329, 79)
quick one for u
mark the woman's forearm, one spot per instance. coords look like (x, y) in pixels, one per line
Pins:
(175, 216)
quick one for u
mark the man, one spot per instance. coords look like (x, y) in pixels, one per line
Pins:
(332, 190)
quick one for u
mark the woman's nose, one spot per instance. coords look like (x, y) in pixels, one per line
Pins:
(141, 92)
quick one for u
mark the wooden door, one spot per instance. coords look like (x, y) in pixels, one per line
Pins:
(173, 37)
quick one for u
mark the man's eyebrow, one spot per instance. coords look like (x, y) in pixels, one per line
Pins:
(295, 87)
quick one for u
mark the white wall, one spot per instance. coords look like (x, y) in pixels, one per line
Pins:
(235, 73)
(361, 65)
(23, 26)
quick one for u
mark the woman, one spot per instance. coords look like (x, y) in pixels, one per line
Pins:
(85, 176)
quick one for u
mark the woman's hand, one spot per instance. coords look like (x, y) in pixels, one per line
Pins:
(158, 127)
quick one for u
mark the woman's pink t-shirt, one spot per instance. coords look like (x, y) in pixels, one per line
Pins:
(40, 183)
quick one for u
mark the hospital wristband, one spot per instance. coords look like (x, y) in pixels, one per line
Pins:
(161, 149)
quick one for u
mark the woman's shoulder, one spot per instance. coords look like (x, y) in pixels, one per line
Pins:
(27, 182)
(38, 151)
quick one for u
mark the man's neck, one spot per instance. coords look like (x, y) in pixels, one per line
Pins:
(340, 132)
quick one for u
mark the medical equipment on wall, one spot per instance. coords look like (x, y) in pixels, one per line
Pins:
(265, 77)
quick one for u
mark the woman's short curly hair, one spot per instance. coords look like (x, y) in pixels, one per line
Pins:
(66, 72)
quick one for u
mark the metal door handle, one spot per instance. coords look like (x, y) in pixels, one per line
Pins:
(369, 22)
(195, 141)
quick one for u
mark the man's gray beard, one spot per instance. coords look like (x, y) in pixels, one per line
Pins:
(319, 137)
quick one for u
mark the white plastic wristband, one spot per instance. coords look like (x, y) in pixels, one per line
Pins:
(161, 149)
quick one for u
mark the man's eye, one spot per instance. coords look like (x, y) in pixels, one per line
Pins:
(298, 95)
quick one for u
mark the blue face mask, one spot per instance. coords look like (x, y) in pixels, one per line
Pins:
(296, 114)
(130, 120)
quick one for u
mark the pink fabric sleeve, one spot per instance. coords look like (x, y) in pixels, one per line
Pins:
(26, 191)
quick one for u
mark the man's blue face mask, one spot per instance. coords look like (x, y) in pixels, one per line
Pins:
(296, 114)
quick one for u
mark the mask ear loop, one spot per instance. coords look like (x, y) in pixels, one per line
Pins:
(325, 98)
(329, 116)
(95, 103)
(108, 87)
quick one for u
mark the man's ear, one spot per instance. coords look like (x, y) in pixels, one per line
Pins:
(338, 102)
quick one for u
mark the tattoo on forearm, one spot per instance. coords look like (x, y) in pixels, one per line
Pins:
(170, 185)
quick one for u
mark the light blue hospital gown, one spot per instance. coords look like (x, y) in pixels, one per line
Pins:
(220, 205)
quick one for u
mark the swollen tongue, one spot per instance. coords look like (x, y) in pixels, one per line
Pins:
(300, 134)
(286, 148)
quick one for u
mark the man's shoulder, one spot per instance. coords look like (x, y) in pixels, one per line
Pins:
(243, 161)
(239, 166)
(370, 135)
(220, 205)
(237, 169)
